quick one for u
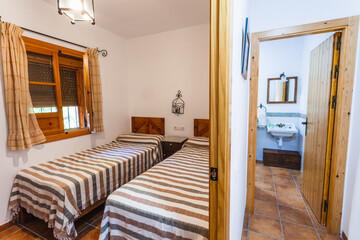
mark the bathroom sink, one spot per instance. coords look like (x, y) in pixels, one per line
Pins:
(281, 130)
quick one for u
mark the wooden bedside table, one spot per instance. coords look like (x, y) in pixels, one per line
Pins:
(171, 145)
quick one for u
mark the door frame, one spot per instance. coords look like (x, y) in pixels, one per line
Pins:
(219, 191)
(349, 27)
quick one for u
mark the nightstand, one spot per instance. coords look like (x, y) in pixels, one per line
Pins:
(171, 145)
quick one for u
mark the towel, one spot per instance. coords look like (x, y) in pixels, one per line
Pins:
(262, 122)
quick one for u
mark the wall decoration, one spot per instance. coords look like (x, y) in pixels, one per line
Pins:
(178, 104)
(245, 50)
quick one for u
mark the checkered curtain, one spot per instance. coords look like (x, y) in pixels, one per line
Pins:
(95, 83)
(24, 130)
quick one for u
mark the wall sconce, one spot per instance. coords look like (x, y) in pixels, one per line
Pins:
(178, 104)
(283, 77)
(77, 10)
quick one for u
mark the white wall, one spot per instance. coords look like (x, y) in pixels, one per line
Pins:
(161, 64)
(40, 16)
(351, 210)
(267, 15)
(239, 90)
(279, 56)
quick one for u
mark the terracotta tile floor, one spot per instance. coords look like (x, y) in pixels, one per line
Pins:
(280, 210)
(280, 213)
(88, 228)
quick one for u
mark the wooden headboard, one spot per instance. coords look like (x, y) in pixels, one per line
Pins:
(201, 128)
(148, 125)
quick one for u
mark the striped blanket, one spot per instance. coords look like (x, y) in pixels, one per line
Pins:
(57, 191)
(169, 201)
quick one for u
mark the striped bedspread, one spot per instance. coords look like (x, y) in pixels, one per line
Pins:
(169, 201)
(57, 191)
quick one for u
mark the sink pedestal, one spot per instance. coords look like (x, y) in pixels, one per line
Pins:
(281, 130)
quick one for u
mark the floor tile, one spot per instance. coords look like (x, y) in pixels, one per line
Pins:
(246, 221)
(264, 185)
(297, 232)
(264, 178)
(296, 174)
(80, 225)
(267, 209)
(289, 200)
(292, 190)
(295, 215)
(97, 223)
(284, 180)
(298, 181)
(9, 231)
(22, 235)
(257, 236)
(262, 171)
(265, 195)
(315, 221)
(89, 233)
(281, 172)
(93, 215)
(265, 225)
(327, 236)
(38, 229)
(38, 226)
(49, 235)
(261, 164)
(244, 235)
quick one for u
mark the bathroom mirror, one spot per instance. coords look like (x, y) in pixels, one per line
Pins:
(280, 91)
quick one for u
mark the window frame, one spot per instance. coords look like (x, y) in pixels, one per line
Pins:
(84, 104)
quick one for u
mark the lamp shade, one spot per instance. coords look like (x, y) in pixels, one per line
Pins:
(77, 10)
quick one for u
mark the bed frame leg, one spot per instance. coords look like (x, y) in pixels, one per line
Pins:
(24, 217)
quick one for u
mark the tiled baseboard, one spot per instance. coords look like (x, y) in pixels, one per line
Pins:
(285, 114)
(344, 237)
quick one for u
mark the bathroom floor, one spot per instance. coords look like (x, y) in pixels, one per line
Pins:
(280, 210)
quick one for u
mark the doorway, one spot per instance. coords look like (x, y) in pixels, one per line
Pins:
(337, 155)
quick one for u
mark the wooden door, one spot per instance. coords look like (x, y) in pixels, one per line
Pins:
(321, 105)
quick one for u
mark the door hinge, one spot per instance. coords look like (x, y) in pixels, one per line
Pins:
(325, 206)
(333, 104)
(336, 72)
(338, 43)
(213, 174)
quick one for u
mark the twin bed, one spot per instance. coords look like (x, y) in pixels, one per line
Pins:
(170, 200)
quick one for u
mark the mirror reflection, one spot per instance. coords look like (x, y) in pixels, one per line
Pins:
(282, 90)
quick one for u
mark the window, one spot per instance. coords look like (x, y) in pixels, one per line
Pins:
(59, 88)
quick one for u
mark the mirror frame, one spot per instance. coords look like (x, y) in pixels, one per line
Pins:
(268, 90)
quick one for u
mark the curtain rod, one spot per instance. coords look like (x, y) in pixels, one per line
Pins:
(103, 52)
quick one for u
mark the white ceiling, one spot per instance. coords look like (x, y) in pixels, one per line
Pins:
(134, 18)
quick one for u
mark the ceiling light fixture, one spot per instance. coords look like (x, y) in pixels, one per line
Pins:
(77, 10)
